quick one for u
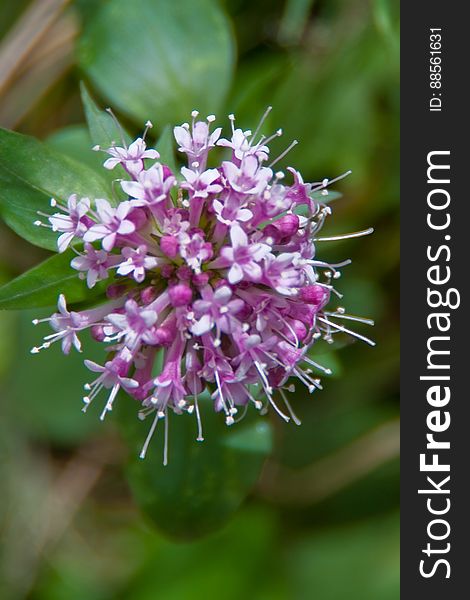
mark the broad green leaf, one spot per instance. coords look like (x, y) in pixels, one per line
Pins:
(103, 130)
(41, 285)
(294, 19)
(159, 60)
(366, 554)
(205, 482)
(30, 174)
(43, 394)
(75, 141)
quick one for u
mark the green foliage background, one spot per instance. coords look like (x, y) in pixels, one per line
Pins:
(322, 521)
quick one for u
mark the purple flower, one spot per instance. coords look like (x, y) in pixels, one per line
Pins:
(216, 308)
(249, 178)
(93, 264)
(201, 184)
(113, 376)
(241, 144)
(197, 142)
(72, 223)
(113, 222)
(215, 287)
(131, 324)
(243, 257)
(231, 212)
(137, 263)
(131, 158)
(150, 188)
(195, 250)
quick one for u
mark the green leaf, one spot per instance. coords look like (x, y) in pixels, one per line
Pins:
(205, 482)
(159, 60)
(103, 129)
(41, 285)
(75, 141)
(30, 174)
(49, 409)
(366, 554)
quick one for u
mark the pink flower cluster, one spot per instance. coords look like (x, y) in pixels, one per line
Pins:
(212, 274)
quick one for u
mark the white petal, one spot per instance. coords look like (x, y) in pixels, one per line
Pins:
(202, 326)
(238, 237)
(235, 273)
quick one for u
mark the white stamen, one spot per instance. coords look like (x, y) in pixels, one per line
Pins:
(286, 151)
(118, 125)
(143, 452)
(165, 447)
(345, 236)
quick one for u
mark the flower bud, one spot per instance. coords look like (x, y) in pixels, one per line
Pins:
(97, 333)
(299, 329)
(184, 273)
(201, 279)
(167, 172)
(167, 271)
(164, 336)
(148, 294)
(180, 295)
(272, 234)
(317, 295)
(116, 290)
(288, 225)
(169, 245)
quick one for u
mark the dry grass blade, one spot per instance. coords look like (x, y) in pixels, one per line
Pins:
(328, 475)
(25, 35)
(39, 71)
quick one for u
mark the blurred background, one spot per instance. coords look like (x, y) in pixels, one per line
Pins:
(322, 521)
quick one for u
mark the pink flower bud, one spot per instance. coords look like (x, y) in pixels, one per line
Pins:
(184, 273)
(97, 333)
(167, 271)
(299, 329)
(287, 225)
(180, 295)
(315, 294)
(116, 290)
(164, 336)
(148, 294)
(167, 172)
(271, 231)
(138, 217)
(169, 245)
(201, 279)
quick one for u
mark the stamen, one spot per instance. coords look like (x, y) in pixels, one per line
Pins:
(325, 370)
(265, 141)
(165, 447)
(327, 182)
(345, 330)
(200, 437)
(345, 236)
(296, 420)
(143, 452)
(148, 125)
(109, 404)
(261, 121)
(339, 315)
(286, 151)
(118, 125)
